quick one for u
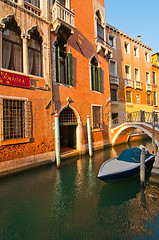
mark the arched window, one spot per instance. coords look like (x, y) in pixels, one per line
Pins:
(12, 46)
(63, 65)
(35, 53)
(100, 29)
(61, 1)
(96, 75)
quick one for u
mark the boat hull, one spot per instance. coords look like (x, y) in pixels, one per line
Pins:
(113, 177)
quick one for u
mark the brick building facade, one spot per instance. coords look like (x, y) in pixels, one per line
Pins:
(53, 59)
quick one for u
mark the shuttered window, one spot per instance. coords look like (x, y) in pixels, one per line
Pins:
(97, 117)
(63, 67)
(96, 78)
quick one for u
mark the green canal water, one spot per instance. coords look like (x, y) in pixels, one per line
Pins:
(71, 203)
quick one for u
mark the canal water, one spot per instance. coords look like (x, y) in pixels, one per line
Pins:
(71, 203)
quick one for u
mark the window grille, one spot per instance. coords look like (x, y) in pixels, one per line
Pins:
(97, 117)
(15, 122)
(67, 116)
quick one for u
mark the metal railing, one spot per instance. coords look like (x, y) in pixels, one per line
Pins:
(138, 116)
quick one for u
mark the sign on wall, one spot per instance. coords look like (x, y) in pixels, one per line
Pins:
(14, 79)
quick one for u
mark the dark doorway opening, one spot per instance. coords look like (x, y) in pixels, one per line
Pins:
(68, 125)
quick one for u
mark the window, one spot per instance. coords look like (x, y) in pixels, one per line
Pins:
(137, 78)
(100, 33)
(155, 98)
(136, 51)
(146, 56)
(96, 75)
(114, 97)
(63, 66)
(128, 96)
(34, 2)
(154, 77)
(100, 29)
(15, 119)
(137, 97)
(35, 54)
(149, 99)
(112, 68)
(127, 72)
(148, 77)
(12, 47)
(112, 41)
(126, 47)
(97, 117)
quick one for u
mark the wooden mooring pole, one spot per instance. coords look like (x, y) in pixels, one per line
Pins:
(153, 131)
(142, 167)
(89, 136)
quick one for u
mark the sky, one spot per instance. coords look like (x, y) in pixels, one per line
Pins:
(135, 17)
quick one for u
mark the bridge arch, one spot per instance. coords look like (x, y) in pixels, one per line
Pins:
(131, 126)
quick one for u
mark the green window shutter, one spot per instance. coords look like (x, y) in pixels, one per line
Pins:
(69, 69)
(93, 76)
(99, 79)
(57, 64)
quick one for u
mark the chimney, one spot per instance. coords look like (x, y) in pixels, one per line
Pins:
(139, 38)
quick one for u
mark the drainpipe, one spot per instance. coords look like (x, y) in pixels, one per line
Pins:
(89, 136)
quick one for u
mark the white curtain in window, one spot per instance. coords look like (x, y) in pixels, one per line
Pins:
(17, 58)
(7, 47)
(37, 64)
(30, 58)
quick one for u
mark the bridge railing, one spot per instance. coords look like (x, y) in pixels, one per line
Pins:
(138, 116)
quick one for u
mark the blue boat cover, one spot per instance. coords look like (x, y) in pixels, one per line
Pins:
(131, 155)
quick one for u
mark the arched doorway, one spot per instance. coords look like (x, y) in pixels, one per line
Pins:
(68, 125)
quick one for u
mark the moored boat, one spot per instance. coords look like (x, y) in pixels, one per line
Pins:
(126, 165)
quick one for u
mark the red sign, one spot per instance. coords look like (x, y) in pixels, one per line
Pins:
(14, 79)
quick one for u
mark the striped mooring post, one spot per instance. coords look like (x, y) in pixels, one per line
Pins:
(57, 140)
(89, 136)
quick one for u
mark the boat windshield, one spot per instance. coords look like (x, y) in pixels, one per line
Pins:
(132, 155)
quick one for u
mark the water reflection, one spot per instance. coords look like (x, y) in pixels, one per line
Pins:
(71, 203)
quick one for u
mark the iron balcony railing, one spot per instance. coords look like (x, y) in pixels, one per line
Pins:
(138, 116)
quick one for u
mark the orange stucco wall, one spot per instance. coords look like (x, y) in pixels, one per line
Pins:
(80, 93)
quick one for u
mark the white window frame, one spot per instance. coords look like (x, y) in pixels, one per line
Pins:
(126, 65)
(114, 40)
(154, 82)
(101, 116)
(137, 99)
(137, 80)
(147, 59)
(148, 80)
(128, 47)
(115, 67)
(137, 51)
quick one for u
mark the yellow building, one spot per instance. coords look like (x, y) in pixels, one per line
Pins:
(130, 73)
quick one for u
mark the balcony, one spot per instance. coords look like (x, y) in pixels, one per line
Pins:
(114, 80)
(148, 87)
(138, 85)
(61, 17)
(129, 83)
(32, 8)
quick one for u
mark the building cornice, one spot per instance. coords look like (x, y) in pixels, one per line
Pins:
(128, 37)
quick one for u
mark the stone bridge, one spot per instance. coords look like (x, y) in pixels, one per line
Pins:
(123, 126)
